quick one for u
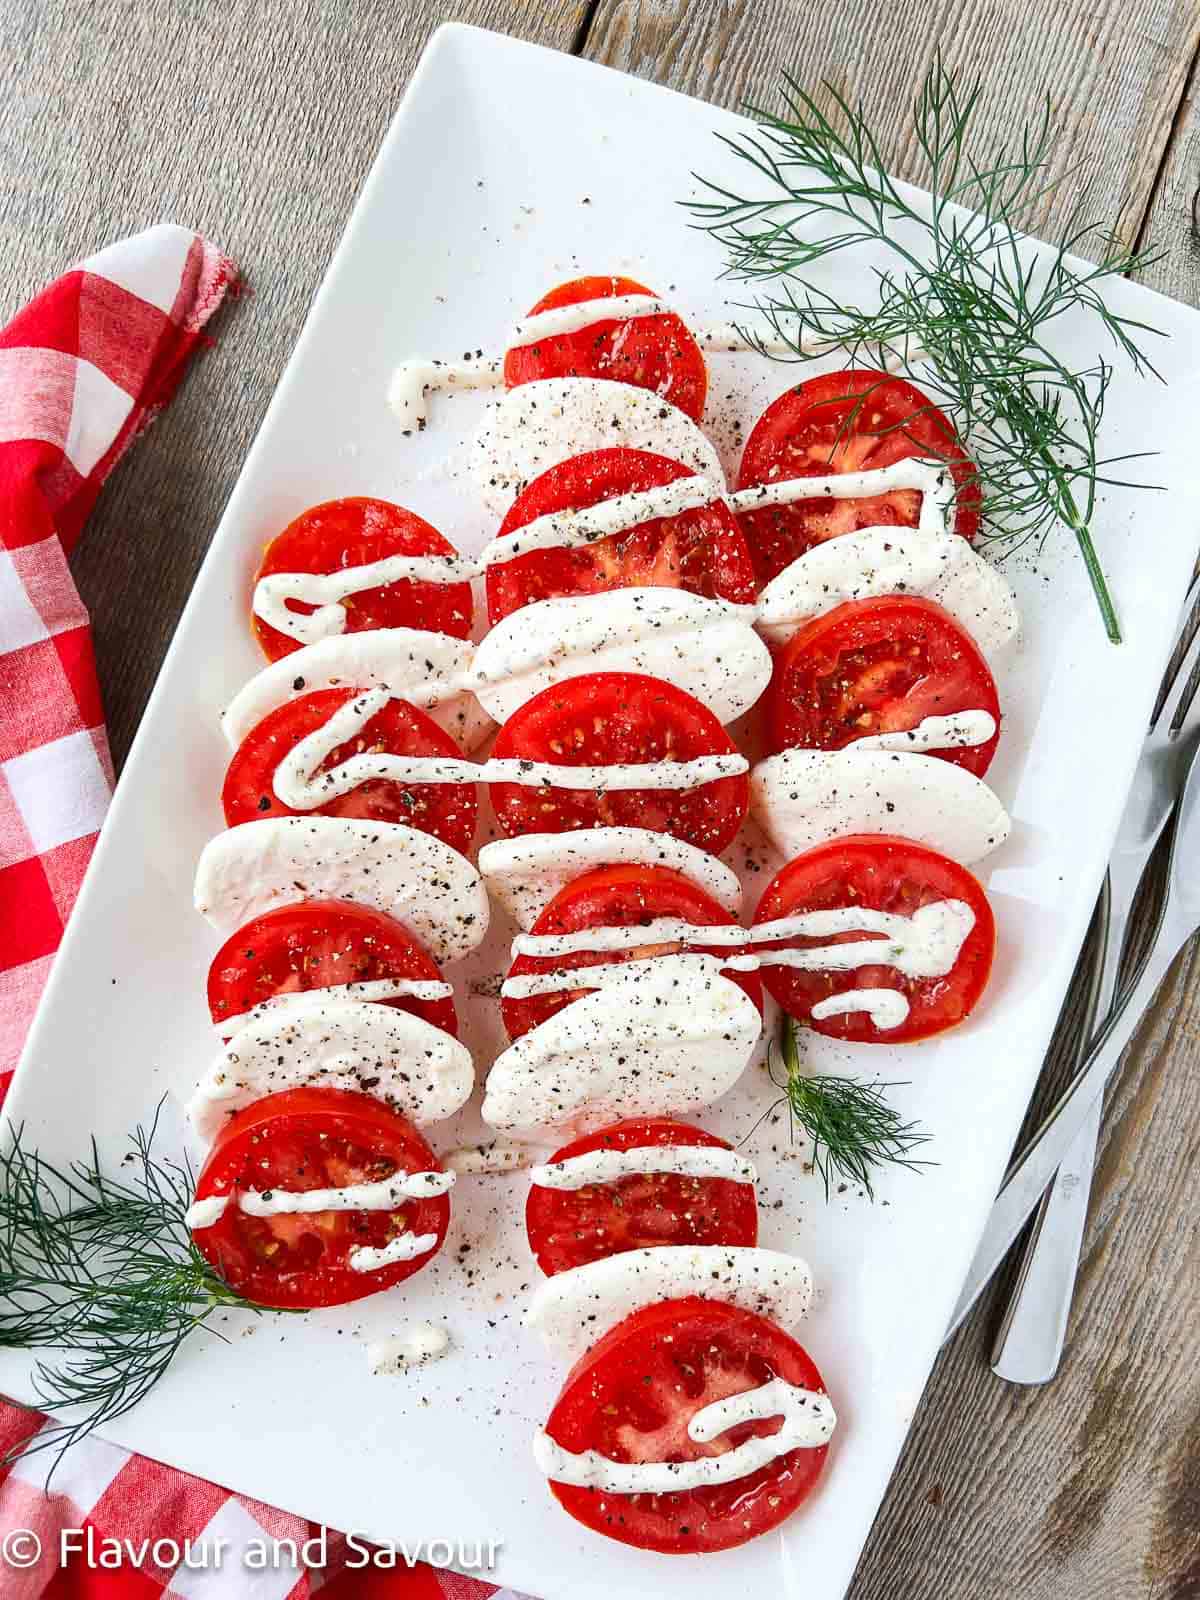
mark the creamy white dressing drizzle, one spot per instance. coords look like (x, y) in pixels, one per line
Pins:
(887, 1008)
(603, 975)
(301, 785)
(370, 989)
(582, 314)
(959, 730)
(660, 775)
(206, 1213)
(559, 530)
(386, 1195)
(606, 1166)
(327, 590)
(925, 945)
(808, 1423)
(404, 1247)
(489, 1160)
(416, 1346)
(933, 481)
(412, 381)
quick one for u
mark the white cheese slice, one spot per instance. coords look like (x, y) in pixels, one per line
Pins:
(525, 874)
(573, 1309)
(668, 1037)
(429, 670)
(536, 425)
(879, 561)
(435, 892)
(401, 1060)
(802, 798)
(708, 648)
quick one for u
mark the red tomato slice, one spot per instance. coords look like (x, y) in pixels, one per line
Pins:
(614, 718)
(649, 352)
(631, 1399)
(447, 810)
(568, 1227)
(320, 944)
(879, 666)
(314, 1139)
(815, 429)
(888, 874)
(703, 550)
(353, 533)
(618, 897)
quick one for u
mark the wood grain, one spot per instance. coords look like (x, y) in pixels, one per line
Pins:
(1092, 1487)
(254, 123)
(1115, 72)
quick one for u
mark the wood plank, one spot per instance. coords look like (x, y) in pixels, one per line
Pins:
(254, 123)
(1115, 71)
(1091, 1487)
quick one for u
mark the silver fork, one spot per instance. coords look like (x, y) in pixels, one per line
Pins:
(1030, 1340)
(1029, 1345)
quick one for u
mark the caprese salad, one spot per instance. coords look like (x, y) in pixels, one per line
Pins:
(632, 607)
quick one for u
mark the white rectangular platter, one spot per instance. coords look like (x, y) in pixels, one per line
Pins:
(507, 169)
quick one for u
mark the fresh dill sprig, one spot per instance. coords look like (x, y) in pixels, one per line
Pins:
(965, 307)
(852, 1128)
(103, 1270)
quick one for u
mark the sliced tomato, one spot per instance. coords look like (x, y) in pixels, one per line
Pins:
(879, 666)
(618, 718)
(447, 810)
(320, 944)
(631, 1399)
(615, 897)
(568, 1227)
(855, 421)
(880, 873)
(702, 550)
(655, 353)
(306, 1139)
(353, 533)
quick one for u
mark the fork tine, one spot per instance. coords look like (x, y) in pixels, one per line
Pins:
(1180, 704)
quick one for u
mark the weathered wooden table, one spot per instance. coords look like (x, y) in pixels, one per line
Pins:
(255, 121)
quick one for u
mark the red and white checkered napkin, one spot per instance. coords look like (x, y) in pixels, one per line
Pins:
(82, 371)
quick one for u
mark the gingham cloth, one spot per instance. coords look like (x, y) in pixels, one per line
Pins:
(82, 370)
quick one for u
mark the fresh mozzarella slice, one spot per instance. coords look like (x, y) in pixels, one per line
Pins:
(803, 797)
(536, 425)
(573, 1309)
(877, 561)
(429, 670)
(407, 1063)
(435, 892)
(667, 1037)
(525, 874)
(706, 647)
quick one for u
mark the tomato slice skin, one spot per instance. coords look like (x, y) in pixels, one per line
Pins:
(320, 944)
(657, 353)
(626, 718)
(878, 666)
(313, 1139)
(631, 1398)
(883, 873)
(809, 432)
(568, 1227)
(621, 897)
(447, 810)
(354, 532)
(702, 551)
